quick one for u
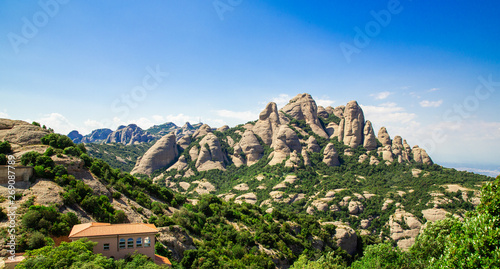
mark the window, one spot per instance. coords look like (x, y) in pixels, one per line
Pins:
(147, 242)
(130, 243)
(138, 243)
(122, 243)
(106, 246)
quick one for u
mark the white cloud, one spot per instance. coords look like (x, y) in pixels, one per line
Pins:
(281, 100)
(433, 90)
(324, 102)
(388, 112)
(240, 115)
(4, 115)
(58, 122)
(381, 95)
(427, 103)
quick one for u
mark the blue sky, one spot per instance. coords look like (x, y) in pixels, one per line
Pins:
(428, 71)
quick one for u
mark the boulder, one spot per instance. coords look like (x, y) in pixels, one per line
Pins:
(330, 155)
(294, 160)
(303, 107)
(339, 132)
(331, 128)
(346, 238)
(354, 121)
(161, 154)
(339, 111)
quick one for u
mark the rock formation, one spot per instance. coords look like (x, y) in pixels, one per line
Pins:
(251, 147)
(75, 136)
(354, 121)
(285, 141)
(331, 156)
(161, 154)
(370, 141)
(268, 123)
(312, 144)
(21, 132)
(303, 107)
(129, 135)
(384, 137)
(421, 156)
(204, 130)
(210, 155)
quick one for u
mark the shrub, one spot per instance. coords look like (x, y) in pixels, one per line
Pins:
(5, 147)
(57, 141)
(3, 159)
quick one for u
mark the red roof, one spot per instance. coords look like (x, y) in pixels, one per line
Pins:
(160, 260)
(104, 229)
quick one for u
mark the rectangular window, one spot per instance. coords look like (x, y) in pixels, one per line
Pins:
(106, 246)
(130, 243)
(138, 243)
(147, 242)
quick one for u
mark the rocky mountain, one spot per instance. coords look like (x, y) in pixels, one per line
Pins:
(302, 180)
(133, 134)
(323, 161)
(96, 136)
(129, 135)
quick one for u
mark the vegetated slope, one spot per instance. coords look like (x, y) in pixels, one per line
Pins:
(70, 187)
(118, 155)
(325, 162)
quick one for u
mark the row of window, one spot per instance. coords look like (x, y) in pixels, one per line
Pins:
(129, 243)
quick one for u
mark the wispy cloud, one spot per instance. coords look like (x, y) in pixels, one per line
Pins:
(240, 115)
(57, 122)
(433, 90)
(4, 115)
(388, 112)
(427, 103)
(324, 102)
(381, 95)
(281, 100)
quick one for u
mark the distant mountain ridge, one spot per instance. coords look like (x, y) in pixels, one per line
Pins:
(133, 134)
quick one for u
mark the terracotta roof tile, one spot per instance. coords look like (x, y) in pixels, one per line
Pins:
(160, 260)
(103, 229)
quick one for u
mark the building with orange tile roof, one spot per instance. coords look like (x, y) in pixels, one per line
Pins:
(118, 240)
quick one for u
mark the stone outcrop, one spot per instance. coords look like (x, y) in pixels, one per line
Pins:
(129, 135)
(421, 156)
(312, 144)
(180, 165)
(223, 128)
(21, 132)
(75, 136)
(370, 141)
(284, 143)
(184, 142)
(97, 136)
(268, 123)
(354, 121)
(204, 130)
(384, 137)
(210, 155)
(322, 112)
(330, 155)
(303, 107)
(251, 147)
(161, 154)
